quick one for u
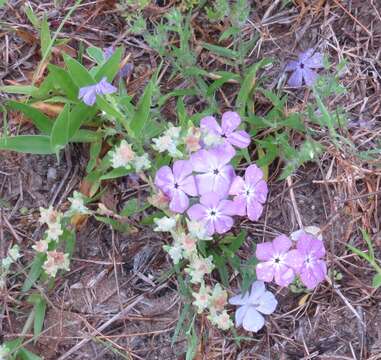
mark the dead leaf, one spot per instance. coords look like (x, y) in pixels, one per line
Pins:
(48, 109)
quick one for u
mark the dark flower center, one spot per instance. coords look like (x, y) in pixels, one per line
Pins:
(212, 213)
(277, 261)
(302, 66)
(176, 185)
(224, 136)
(216, 171)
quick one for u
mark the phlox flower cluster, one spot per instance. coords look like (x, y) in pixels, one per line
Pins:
(203, 186)
(281, 264)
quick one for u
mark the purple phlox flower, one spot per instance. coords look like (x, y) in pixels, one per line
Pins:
(227, 131)
(89, 93)
(108, 52)
(303, 68)
(216, 172)
(252, 305)
(278, 261)
(311, 250)
(126, 70)
(177, 184)
(215, 213)
(250, 192)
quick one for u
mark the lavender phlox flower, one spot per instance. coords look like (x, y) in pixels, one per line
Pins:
(108, 52)
(216, 172)
(88, 94)
(303, 68)
(313, 230)
(252, 305)
(278, 262)
(250, 192)
(214, 212)
(228, 130)
(313, 268)
(177, 184)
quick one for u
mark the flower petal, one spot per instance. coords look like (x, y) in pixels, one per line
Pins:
(240, 205)
(209, 123)
(264, 251)
(189, 186)
(309, 76)
(261, 191)
(104, 87)
(265, 271)
(210, 200)
(315, 61)
(294, 259)
(267, 303)
(197, 212)
(223, 154)
(223, 224)
(305, 55)
(254, 210)
(230, 121)
(253, 320)
(205, 183)
(281, 244)
(296, 79)
(179, 202)
(253, 174)
(257, 290)
(292, 65)
(308, 243)
(203, 161)
(227, 207)
(240, 315)
(181, 169)
(164, 179)
(239, 299)
(237, 186)
(210, 228)
(284, 275)
(241, 139)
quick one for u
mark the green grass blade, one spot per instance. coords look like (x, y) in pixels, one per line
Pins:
(29, 144)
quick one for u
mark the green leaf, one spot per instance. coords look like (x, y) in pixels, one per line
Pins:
(96, 54)
(25, 354)
(60, 131)
(35, 271)
(79, 114)
(85, 136)
(237, 241)
(95, 149)
(220, 263)
(39, 316)
(29, 14)
(360, 253)
(132, 207)
(369, 243)
(248, 85)
(142, 114)
(40, 120)
(111, 67)
(45, 38)
(70, 239)
(78, 73)
(185, 311)
(222, 51)
(115, 224)
(376, 282)
(30, 144)
(63, 81)
(19, 89)
(116, 173)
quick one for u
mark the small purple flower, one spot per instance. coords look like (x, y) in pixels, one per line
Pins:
(303, 68)
(278, 262)
(89, 93)
(216, 172)
(250, 193)
(215, 213)
(313, 269)
(108, 52)
(177, 184)
(251, 305)
(227, 131)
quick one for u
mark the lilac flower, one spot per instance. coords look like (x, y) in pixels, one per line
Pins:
(177, 184)
(227, 131)
(108, 52)
(250, 193)
(278, 262)
(313, 269)
(303, 68)
(251, 305)
(215, 213)
(89, 93)
(216, 175)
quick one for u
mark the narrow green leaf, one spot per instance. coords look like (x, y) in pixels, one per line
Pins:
(96, 54)
(60, 131)
(79, 114)
(85, 136)
(369, 243)
(30, 144)
(30, 15)
(360, 253)
(25, 354)
(35, 271)
(39, 119)
(78, 73)
(39, 316)
(111, 67)
(220, 263)
(142, 114)
(45, 39)
(70, 239)
(222, 51)
(132, 207)
(237, 241)
(95, 149)
(116, 173)
(63, 81)
(180, 322)
(376, 282)
(19, 89)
